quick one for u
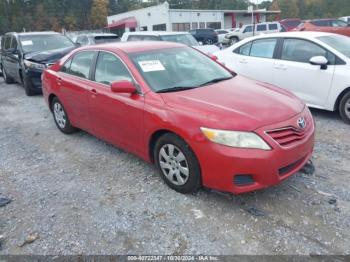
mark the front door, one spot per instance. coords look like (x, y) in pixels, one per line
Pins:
(117, 118)
(295, 73)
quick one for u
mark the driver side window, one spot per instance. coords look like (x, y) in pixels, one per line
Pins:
(110, 69)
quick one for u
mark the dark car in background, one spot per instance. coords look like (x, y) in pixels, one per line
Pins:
(24, 56)
(0, 56)
(206, 36)
(94, 39)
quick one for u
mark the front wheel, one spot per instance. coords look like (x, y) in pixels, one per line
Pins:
(177, 164)
(233, 40)
(28, 88)
(61, 117)
(344, 108)
(8, 80)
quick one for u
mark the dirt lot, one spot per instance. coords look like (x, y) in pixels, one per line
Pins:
(79, 195)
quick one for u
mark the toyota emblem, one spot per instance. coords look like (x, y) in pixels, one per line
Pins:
(302, 123)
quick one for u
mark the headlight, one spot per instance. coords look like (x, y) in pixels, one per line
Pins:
(235, 138)
(33, 65)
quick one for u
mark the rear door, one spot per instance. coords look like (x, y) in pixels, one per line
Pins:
(295, 73)
(13, 60)
(116, 117)
(75, 86)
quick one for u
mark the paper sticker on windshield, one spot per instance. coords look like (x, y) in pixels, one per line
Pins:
(27, 42)
(151, 66)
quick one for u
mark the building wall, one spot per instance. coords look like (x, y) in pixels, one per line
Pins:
(146, 17)
(195, 18)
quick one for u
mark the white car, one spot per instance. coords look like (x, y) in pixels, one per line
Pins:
(221, 34)
(178, 37)
(345, 19)
(314, 66)
(247, 31)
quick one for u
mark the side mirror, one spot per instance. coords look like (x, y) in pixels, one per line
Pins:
(319, 61)
(123, 86)
(78, 44)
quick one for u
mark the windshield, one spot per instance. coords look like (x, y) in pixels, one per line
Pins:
(35, 43)
(106, 39)
(338, 42)
(178, 68)
(186, 39)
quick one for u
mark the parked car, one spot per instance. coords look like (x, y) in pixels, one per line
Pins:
(177, 37)
(290, 23)
(315, 66)
(25, 55)
(346, 19)
(221, 34)
(94, 39)
(325, 25)
(207, 36)
(247, 31)
(172, 105)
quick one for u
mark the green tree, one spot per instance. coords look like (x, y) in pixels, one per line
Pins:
(99, 12)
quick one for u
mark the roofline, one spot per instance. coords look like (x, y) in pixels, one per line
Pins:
(260, 11)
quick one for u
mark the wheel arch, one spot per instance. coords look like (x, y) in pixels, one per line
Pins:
(50, 98)
(342, 94)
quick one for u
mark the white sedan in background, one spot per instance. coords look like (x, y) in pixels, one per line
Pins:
(314, 66)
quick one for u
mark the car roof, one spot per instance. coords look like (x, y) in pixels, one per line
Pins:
(135, 47)
(304, 34)
(32, 33)
(155, 33)
(97, 34)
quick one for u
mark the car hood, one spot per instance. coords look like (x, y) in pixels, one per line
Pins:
(236, 104)
(207, 49)
(50, 56)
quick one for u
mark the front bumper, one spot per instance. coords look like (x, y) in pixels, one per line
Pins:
(33, 78)
(239, 170)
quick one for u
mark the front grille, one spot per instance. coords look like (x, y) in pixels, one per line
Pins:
(290, 135)
(243, 180)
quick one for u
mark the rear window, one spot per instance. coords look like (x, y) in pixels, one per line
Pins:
(143, 38)
(105, 39)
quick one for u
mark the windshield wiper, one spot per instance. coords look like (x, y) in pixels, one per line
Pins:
(176, 89)
(216, 80)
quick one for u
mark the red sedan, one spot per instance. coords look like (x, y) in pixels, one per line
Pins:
(334, 26)
(201, 124)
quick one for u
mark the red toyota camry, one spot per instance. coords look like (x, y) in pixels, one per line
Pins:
(201, 124)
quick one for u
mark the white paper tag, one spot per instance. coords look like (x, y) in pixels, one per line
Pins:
(151, 66)
(27, 42)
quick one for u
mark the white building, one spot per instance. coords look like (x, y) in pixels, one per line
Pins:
(163, 18)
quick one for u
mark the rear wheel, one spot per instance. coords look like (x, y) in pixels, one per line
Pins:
(177, 164)
(344, 108)
(61, 117)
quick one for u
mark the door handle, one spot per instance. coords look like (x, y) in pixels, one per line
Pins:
(243, 61)
(93, 91)
(281, 67)
(59, 81)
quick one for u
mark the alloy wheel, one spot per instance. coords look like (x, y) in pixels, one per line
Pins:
(173, 164)
(60, 115)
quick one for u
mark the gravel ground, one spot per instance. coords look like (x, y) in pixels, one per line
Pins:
(78, 195)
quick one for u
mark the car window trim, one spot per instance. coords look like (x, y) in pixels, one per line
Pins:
(338, 60)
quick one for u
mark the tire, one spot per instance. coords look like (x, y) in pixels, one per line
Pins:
(180, 169)
(8, 80)
(233, 40)
(344, 108)
(27, 85)
(61, 118)
(209, 42)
